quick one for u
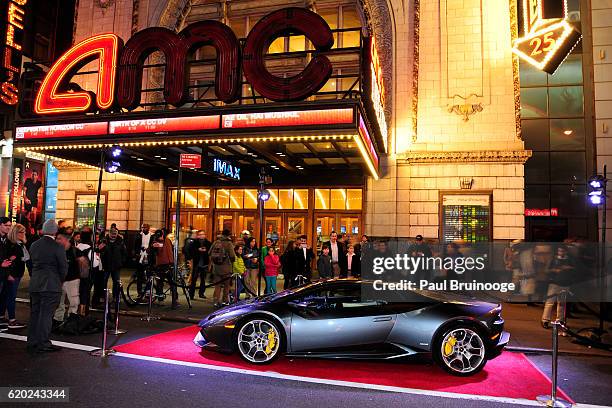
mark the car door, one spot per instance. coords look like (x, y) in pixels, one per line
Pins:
(337, 316)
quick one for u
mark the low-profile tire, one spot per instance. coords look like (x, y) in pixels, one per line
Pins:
(258, 340)
(461, 349)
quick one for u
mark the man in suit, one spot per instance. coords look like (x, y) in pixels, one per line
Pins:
(337, 252)
(49, 269)
(304, 256)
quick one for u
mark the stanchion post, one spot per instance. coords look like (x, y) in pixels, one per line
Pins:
(236, 291)
(104, 352)
(552, 400)
(116, 331)
(149, 317)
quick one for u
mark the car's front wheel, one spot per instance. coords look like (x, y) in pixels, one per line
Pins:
(259, 341)
(461, 350)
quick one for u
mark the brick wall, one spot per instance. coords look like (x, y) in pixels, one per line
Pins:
(125, 205)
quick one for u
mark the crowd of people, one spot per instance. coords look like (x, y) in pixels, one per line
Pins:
(243, 257)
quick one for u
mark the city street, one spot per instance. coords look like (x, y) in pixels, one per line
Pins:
(125, 379)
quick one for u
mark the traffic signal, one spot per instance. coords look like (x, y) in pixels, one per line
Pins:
(112, 163)
(597, 189)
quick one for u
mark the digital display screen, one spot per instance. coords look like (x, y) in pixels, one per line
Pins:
(185, 124)
(288, 118)
(59, 131)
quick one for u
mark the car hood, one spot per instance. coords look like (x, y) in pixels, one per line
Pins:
(234, 310)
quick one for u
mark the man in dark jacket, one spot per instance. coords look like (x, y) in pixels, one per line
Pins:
(198, 254)
(337, 252)
(304, 255)
(49, 269)
(113, 254)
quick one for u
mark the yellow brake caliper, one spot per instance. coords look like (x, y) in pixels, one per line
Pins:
(448, 346)
(271, 342)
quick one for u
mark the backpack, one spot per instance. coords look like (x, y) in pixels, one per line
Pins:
(218, 254)
(82, 263)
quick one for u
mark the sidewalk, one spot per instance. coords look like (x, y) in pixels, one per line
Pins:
(522, 321)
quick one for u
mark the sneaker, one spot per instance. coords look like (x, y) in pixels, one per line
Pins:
(14, 324)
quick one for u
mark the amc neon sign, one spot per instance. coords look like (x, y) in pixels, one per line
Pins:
(121, 66)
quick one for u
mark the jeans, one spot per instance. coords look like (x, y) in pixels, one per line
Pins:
(553, 289)
(116, 275)
(7, 298)
(270, 284)
(198, 272)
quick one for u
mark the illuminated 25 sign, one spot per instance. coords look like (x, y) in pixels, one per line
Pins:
(120, 67)
(548, 39)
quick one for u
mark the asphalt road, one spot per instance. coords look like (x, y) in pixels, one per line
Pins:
(119, 381)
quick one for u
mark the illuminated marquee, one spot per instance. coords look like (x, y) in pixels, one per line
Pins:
(13, 14)
(377, 90)
(549, 37)
(125, 64)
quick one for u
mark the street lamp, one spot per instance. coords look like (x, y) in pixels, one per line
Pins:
(262, 196)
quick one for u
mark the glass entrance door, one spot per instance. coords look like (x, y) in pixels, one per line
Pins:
(325, 224)
(349, 224)
(273, 227)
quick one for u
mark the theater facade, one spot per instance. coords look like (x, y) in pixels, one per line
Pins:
(389, 118)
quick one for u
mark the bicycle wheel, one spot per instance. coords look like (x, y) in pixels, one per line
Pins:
(134, 298)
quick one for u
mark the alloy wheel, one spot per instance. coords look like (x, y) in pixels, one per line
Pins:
(258, 341)
(463, 350)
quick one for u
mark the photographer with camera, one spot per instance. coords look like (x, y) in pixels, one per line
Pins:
(113, 254)
(164, 261)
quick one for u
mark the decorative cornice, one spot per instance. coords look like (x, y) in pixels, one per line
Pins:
(489, 156)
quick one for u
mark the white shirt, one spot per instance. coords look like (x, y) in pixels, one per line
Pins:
(349, 258)
(84, 247)
(146, 238)
(334, 251)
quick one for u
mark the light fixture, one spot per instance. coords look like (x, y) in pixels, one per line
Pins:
(264, 195)
(112, 166)
(568, 132)
(116, 151)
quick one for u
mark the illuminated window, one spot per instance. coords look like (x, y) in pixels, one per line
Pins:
(297, 43)
(353, 199)
(277, 46)
(322, 199)
(250, 198)
(300, 199)
(236, 197)
(285, 199)
(203, 198)
(85, 209)
(272, 203)
(190, 198)
(350, 19)
(338, 199)
(223, 199)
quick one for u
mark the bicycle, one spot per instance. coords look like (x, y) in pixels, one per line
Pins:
(133, 297)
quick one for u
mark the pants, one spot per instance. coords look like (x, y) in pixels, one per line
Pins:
(116, 275)
(250, 280)
(85, 291)
(70, 290)
(553, 289)
(223, 286)
(237, 287)
(141, 278)
(165, 274)
(8, 294)
(198, 272)
(270, 284)
(98, 283)
(42, 307)
(336, 269)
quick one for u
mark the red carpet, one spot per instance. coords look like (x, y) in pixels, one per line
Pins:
(511, 375)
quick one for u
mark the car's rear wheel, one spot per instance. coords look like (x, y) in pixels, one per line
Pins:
(259, 341)
(461, 350)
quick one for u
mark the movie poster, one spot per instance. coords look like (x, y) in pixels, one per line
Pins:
(28, 192)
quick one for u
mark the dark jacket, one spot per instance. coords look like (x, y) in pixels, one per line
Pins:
(303, 264)
(49, 265)
(6, 251)
(288, 261)
(138, 245)
(196, 255)
(19, 265)
(355, 265)
(73, 269)
(324, 266)
(341, 252)
(113, 254)
(248, 260)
